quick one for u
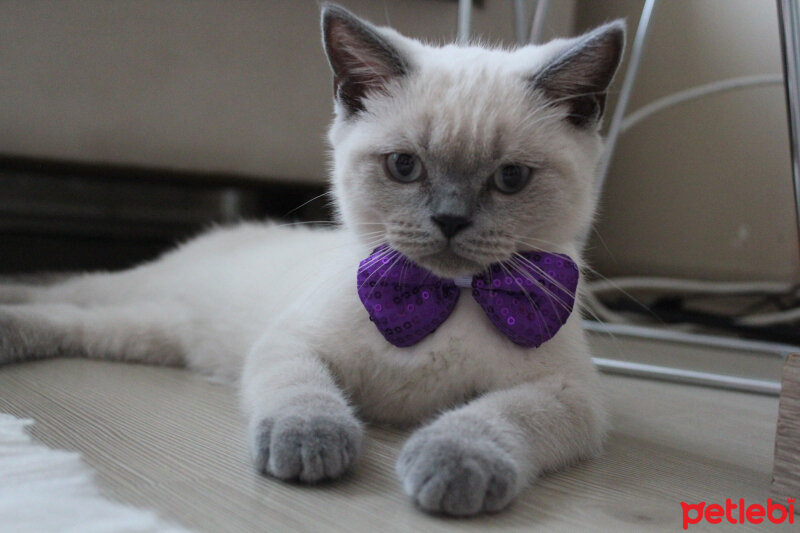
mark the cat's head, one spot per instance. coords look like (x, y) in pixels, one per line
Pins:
(459, 156)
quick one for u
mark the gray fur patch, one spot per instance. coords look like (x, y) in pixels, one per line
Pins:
(307, 446)
(580, 77)
(361, 58)
(457, 476)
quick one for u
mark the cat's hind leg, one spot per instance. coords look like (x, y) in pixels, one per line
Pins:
(28, 288)
(140, 332)
(13, 293)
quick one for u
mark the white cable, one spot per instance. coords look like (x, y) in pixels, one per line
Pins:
(602, 314)
(769, 319)
(683, 286)
(698, 92)
(689, 285)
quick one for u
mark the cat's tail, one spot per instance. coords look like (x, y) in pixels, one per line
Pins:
(41, 321)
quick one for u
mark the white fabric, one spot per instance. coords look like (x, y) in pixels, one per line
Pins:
(44, 490)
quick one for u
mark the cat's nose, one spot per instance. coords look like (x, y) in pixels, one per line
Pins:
(451, 224)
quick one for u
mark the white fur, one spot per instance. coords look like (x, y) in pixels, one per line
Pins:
(53, 490)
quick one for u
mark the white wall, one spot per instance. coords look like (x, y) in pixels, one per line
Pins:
(236, 86)
(704, 189)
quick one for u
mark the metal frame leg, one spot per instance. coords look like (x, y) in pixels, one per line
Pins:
(789, 18)
(520, 22)
(464, 19)
(625, 92)
(537, 25)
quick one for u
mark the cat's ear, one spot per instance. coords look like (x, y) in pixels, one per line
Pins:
(579, 77)
(361, 58)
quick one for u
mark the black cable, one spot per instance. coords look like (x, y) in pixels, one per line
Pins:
(672, 310)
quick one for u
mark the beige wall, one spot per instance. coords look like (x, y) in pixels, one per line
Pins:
(235, 86)
(704, 189)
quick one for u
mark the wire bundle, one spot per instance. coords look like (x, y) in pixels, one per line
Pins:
(761, 310)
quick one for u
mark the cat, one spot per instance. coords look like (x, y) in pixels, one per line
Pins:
(456, 157)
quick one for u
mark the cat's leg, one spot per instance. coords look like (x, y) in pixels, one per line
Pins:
(29, 289)
(14, 293)
(300, 425)
(479, 457)
(144, 332)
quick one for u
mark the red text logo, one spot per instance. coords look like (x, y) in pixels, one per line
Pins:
(738, 512)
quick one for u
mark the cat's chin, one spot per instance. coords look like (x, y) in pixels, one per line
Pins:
(447, 264)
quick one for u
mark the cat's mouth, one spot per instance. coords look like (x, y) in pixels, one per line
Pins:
(449, 263)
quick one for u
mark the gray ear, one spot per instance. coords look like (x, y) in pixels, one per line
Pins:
(580, 76)
(361, 59)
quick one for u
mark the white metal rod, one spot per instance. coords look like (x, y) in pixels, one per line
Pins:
(773, 349)
(539, 17)
(626, 90)
(679, 375)
(464, 16)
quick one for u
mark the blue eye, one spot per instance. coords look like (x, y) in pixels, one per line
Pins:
(510, 179)
(403, 167)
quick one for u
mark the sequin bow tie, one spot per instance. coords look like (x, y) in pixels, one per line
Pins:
(527, 299)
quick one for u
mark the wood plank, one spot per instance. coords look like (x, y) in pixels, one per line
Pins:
(786, 472)
(168, 440)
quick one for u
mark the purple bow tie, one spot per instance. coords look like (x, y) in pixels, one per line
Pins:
(528, 302)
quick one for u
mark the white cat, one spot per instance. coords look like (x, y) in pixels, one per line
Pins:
(456, 157)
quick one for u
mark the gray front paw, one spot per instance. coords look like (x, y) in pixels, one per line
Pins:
(307, 447)
(457, 475)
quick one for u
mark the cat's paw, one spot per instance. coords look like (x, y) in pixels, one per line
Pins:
(12, 339)
(455, 475)
(307, 447)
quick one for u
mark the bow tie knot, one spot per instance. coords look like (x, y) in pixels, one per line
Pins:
(527, 298)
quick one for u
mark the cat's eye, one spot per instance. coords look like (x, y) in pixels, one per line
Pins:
(510, 179)
(403, 167)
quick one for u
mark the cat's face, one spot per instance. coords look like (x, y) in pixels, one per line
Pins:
(457, 157)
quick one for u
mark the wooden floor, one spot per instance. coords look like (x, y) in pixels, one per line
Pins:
(170, 441)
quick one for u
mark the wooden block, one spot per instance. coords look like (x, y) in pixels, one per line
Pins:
(786, 471)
